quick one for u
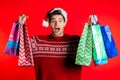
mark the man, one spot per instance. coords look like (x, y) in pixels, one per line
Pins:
(54, 55)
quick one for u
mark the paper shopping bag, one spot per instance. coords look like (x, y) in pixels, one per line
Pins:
(19, 44)
(110, 46)
(25, 49)
(84, 51)
(12, 46)
(99, 53)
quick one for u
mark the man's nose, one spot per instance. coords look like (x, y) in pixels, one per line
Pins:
(56, 23)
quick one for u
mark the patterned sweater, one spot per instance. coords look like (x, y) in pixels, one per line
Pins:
(54, 57)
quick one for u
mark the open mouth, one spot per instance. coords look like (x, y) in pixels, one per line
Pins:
(57, 30)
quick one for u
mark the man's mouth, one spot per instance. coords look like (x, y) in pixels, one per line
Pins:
(57, 30)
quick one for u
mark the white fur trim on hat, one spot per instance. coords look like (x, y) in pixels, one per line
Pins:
(45, 23)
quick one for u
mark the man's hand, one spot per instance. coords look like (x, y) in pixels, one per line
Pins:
(22, 19)
(93, 19)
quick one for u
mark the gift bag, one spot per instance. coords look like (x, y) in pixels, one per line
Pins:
(99, 53)
(12, 46)
(84, 51)
(25, 49)
(19, 43)
(110, 46)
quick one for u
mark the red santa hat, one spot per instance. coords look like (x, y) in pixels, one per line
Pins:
(45, 23)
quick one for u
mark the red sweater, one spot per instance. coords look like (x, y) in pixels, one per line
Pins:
(54, 57)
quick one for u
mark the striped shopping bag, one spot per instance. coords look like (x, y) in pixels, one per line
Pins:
(84, 51)
(25, 50)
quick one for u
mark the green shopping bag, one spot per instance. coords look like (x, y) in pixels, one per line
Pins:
(84, 51)
(99, 52)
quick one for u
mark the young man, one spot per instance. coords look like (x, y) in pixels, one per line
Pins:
(54, 55)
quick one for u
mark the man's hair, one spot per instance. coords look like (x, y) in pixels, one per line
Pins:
(52, 13)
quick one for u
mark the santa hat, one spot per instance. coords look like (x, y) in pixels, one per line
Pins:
(45, 23)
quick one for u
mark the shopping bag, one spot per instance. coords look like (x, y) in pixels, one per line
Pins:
(110, 46)
(12, 46)
(84, 50)
(19, 44)
(25, 49)
(99, 53)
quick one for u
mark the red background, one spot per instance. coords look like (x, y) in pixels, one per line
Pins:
(107, 11)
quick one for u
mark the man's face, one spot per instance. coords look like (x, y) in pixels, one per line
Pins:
(57, 25)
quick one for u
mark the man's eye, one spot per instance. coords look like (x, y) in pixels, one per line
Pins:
(53, 21)
(60, 20)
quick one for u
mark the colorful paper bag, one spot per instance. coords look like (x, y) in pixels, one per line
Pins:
(13, 41)
(19, 44)
(99, 53)
(110, 46)
(25, 50)
(84, 51)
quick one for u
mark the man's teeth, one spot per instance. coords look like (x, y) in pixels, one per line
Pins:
(57, 28)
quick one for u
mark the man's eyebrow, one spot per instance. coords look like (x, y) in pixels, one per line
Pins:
(54, 18)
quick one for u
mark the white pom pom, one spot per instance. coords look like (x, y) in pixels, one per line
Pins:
(45, 23)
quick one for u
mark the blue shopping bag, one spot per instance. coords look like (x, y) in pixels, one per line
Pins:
(110, 46)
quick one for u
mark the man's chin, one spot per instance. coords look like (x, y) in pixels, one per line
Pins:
(57, 35)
